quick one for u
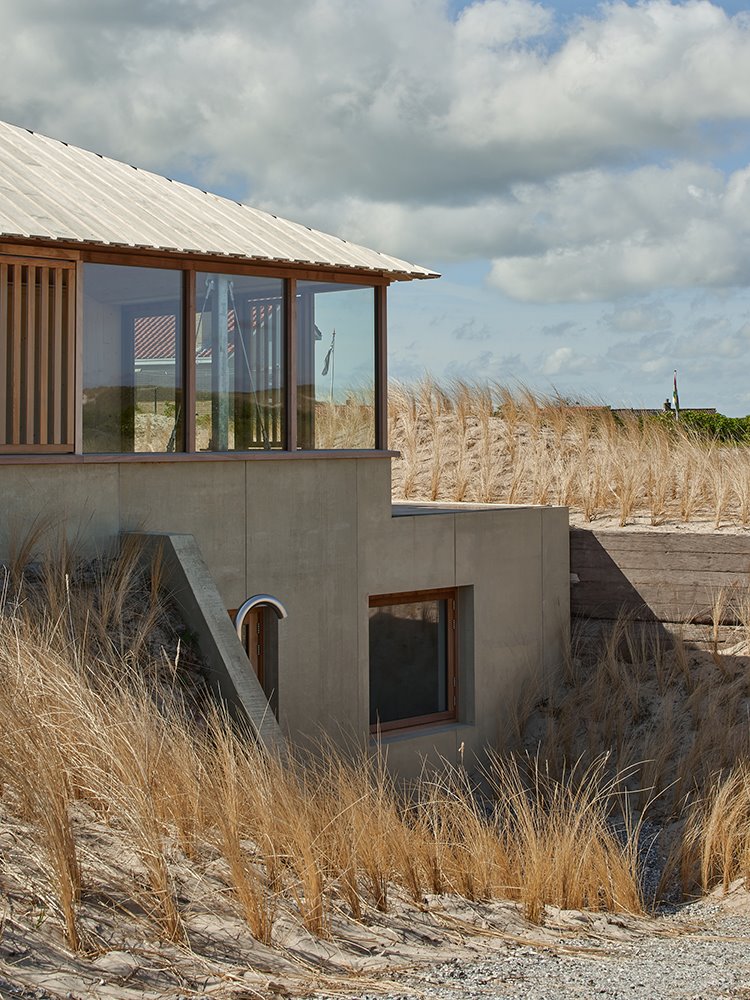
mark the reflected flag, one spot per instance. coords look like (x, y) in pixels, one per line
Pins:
(329, 355)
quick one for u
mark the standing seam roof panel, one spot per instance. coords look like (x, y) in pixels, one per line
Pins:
(51, 190)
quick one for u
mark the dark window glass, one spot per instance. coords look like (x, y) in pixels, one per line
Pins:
(412, 661)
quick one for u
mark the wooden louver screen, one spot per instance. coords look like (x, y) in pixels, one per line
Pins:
(37, 356)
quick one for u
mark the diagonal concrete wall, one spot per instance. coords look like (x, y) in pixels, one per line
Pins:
(193, 590)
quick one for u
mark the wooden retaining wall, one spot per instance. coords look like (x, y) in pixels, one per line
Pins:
(669, 577)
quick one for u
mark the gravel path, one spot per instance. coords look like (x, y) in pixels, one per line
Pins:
(706, 963)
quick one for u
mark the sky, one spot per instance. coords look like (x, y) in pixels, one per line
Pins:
(578, 172)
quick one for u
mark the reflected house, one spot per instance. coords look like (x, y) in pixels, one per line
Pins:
(183, 365)
(254, 372)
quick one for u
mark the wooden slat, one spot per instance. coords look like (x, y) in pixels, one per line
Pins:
(42, 378)
(57, 398)
(70, 360)
(31, 386)
(16, 354)
(77, 389)
(35, 412)
(4, 346)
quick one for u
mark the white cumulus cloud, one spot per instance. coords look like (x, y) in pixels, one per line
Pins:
(576, 157)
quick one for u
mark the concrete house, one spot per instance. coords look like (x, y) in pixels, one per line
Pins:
(176, 363)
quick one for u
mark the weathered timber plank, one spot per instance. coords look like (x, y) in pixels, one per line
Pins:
(676, 561)
(625, 540)
(687, 562)
(675, 613)
(662, 576)
(701, 636)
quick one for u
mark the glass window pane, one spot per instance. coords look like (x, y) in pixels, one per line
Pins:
(335, 365)
(239, 362)
(132, 336)
(408, 661)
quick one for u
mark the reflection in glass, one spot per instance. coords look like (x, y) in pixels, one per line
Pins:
(408, 661)
(335, 365)
(132, 336)
(239, 362)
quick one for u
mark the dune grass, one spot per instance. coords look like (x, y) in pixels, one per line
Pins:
(486, 442)
(671, 721)
(89, 742)
(101, 741)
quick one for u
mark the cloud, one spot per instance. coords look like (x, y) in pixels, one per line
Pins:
(644, 316)
(470, 330)
(708, 350)
(499, 134)
(646, 352)
(487, 364)
(565, 361)
(558, 329)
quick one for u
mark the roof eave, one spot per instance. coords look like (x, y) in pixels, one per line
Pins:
(183, 255)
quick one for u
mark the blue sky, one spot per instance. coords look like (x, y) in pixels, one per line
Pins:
(579, 173)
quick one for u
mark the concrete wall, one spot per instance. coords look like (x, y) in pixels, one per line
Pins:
(319, 534)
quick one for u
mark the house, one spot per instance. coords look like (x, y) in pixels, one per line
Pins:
(180, 364)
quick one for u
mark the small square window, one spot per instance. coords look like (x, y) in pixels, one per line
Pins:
(412, 658)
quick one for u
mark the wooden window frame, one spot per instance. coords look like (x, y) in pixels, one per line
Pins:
(450, 595)
(75, 258)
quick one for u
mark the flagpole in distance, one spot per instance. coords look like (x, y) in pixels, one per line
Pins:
(675, 398)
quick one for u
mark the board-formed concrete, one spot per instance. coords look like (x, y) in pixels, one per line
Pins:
(320, 535)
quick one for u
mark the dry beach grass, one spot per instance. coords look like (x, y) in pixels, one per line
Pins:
(148, 846)
(138, 821)
(134, 810)
(493, 444)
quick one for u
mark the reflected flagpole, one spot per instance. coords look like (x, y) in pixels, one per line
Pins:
(330, 360)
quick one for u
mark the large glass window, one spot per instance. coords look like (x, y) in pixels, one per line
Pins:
(412, 658)
(132, 385)
(239, 362)
(134, 362)
(335, 365)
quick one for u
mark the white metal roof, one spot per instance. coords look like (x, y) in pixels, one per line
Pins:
(50, 190)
